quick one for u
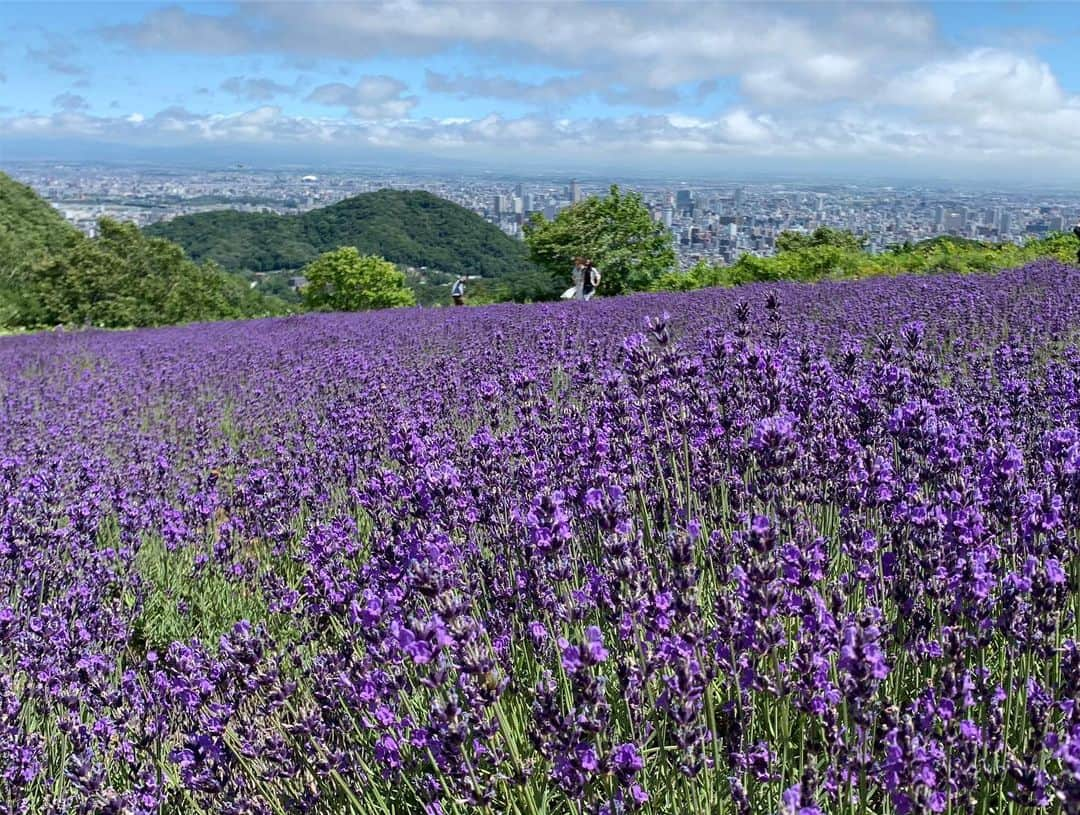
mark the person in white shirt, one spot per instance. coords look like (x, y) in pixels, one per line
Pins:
(591, 280)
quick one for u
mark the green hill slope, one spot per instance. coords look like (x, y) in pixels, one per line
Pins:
(29, 226)
(408, 228)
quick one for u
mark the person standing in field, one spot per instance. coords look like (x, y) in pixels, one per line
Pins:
(591, 280)
(1076, 231)
(458, 291)
(578, 275)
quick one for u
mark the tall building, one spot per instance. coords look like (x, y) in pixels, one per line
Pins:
(519, 190)
(1004, 223)
(1056, 223)
(667, 214)
(683, 200)
(739, 196)
(575, 191)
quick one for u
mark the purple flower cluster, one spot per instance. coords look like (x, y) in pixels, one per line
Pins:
(780, 549)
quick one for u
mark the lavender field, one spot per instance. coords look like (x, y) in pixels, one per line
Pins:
(779, 549)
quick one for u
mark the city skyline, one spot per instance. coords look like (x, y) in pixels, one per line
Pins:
(916, 90)
(713, 221)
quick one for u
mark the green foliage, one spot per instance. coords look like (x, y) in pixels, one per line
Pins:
(51, 274)
(29, 228)
(617, 232)
(836, 255)
(345, 280)
(407, 228)
(124, 279)
(822, 236)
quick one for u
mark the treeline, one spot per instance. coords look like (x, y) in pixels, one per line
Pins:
(51, 274)
(828, 254)
(123, 279)
(634, 253)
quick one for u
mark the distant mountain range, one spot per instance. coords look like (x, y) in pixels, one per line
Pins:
(408, 228)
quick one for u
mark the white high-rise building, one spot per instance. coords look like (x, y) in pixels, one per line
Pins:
(575, 191)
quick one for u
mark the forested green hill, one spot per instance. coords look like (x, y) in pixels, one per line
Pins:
(407, 228)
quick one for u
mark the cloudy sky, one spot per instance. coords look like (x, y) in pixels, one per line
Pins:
(987, 88)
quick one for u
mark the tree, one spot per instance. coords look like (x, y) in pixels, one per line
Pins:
(345, 280)
(617, 232)
(822, 236)
(124, 279)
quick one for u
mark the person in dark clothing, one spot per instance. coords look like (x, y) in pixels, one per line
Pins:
(1076, 231)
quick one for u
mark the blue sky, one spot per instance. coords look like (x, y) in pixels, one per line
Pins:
(989, 87)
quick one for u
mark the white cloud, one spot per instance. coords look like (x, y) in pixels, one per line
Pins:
(372, 97)
(830, 81)
(648, 45)
(254, 89)
(70, 101)
(983, 80)
(738, 132)
(551, 90)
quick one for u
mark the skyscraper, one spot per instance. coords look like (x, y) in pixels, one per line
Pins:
(575, 191)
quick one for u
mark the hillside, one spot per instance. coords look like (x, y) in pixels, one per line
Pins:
(409, 228)
(28, 225)
(50, 274)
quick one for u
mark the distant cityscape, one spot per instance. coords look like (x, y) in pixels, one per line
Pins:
(713, 221)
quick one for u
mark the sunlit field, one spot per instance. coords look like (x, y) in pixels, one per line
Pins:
(799, 549)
